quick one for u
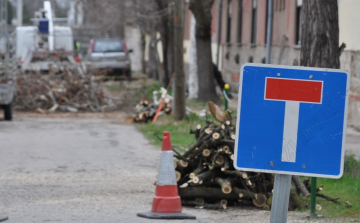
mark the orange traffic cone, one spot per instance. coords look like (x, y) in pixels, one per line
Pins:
(166, 202)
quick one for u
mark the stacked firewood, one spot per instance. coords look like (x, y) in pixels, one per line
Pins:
(205, 173)
(69, 91)
(146, 111)
(207, 179)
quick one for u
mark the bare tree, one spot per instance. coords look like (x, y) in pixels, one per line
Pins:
(166, 38)
(202, 13)
(179, 81)
(111, 16)
(193, 85)
(108, 15)
(320, 34)
(30, 6)
(151, 16)
(147, 16)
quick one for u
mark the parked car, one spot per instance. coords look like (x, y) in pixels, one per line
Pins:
(109, 54)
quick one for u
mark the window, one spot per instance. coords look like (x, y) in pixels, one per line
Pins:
(239, 21)
(298, 22)
(228, 33)
(279, 5)
(105, 46)
(253, 24)
(284, 4)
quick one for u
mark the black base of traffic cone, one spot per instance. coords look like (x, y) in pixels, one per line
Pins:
(153, 215)
(3, 218)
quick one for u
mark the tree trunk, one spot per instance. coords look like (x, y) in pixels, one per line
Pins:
(157, 61)
(170, 34)
(121, 27)
(142, 45)
(193, 86)
(164, 40)
(179, 80)
(202, 13)
(319, 40)
(152, 69)
(164, 32)
(206, 72)
(320, 34)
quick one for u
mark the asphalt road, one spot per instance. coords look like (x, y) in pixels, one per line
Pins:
(87, 170)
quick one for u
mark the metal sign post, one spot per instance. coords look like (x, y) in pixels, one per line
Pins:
(313, 198)
(292, 92)
(280, 201)
(291, 121)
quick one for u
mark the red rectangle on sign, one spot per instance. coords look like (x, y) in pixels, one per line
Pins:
(293, 90)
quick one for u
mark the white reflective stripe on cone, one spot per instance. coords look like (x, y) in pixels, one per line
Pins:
(166, 174)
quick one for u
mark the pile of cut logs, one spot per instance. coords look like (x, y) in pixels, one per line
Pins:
(145, 111)
(207, 179)
(69, 91)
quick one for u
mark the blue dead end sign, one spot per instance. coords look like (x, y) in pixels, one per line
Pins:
(291, 120)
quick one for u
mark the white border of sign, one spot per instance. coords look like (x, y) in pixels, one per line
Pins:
(293, 68)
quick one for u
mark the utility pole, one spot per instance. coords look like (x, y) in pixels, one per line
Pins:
(179, 81)
(19, 11)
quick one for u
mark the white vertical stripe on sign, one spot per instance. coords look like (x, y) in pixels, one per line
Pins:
(291, 122)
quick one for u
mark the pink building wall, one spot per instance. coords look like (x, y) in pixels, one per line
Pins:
(246, 22)
(284, 22)
(261, 22)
